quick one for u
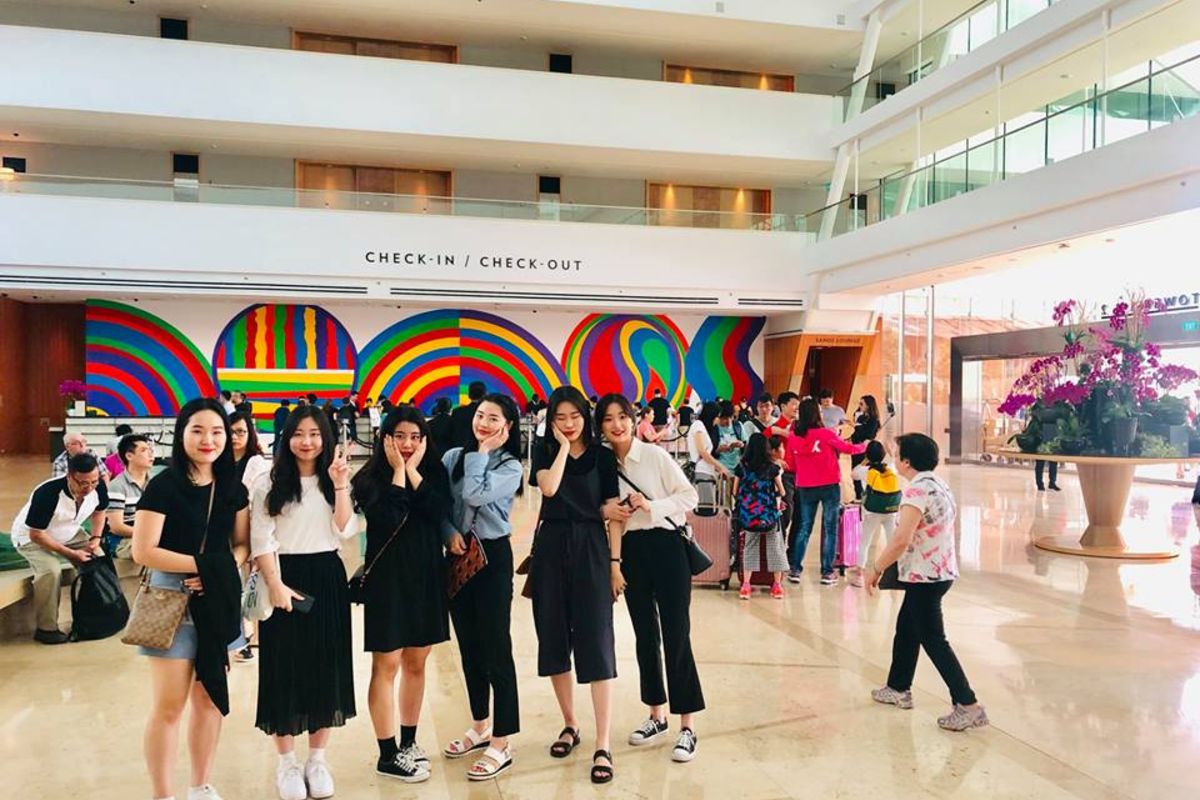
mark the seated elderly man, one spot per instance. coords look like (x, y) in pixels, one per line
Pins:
(73, 444)
(47, 532)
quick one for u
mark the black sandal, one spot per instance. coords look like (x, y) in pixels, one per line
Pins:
(602, 773)
(561, 749)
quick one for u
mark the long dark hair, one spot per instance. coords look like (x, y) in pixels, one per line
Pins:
(224, 472)
(512, 415)
(872, 407)
(606, 401)
(252, 446)
(757, 458)
(567, 394)
(875, 456)
(708, 417)
(809, 417)
(285, 473)
(376, 474)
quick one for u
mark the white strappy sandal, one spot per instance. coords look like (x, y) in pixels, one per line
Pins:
(470, 742)
(483, 770)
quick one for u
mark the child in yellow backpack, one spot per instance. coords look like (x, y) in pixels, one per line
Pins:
(881, 503)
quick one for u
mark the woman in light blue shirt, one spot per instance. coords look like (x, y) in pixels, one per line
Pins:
(485, 477)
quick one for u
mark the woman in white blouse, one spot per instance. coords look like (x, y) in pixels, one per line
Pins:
(300, 514)
(655, 499)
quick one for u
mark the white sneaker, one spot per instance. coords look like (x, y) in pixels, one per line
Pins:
(685, 748)
(205, 792)
(319, 779)
(289, 782)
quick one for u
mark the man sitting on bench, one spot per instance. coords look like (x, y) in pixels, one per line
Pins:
(47, 532)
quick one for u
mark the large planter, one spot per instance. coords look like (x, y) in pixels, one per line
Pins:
(1122, 432)
(1027, 442)
(1175, 435)
(77, 409)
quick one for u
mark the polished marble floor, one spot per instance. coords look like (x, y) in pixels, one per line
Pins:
(1090, 670)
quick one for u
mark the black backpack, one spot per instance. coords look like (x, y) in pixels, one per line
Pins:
(98, 605)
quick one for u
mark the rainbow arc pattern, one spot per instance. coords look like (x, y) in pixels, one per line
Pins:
(272, 352)
(718, 362)
(139, 365)
(438, 353)
(628, 353)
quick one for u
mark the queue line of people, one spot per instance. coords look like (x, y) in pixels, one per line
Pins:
(609, 526)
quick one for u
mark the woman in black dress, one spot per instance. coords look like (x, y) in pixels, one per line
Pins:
(576, 570)
(405, 493)
(866, 428)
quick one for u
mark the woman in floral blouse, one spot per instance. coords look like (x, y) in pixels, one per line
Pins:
(923, 549)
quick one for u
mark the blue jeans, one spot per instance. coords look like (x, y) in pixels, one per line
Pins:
(807, 499)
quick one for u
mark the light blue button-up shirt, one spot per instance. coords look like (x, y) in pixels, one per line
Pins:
(483, 499)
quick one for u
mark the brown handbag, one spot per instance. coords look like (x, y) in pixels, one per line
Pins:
(157, 613)
(527, 563)
(468, 565)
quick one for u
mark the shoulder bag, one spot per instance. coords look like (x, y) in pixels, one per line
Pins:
(356, 587)
(158, 612)
(698, 560)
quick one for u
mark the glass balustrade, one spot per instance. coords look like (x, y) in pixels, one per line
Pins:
(1068, 128)
(977, 25)
(20, 183)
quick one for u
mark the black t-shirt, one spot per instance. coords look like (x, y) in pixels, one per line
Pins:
(461, 419)
(579, 497)
(685, 415)
(281, 416)
(45, 498)
(661, 408)
(185, 507)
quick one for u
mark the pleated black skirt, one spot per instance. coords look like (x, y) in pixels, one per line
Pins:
(305, 671)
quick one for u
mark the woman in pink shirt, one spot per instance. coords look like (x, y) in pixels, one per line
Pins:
(812, 454)
(645, 428)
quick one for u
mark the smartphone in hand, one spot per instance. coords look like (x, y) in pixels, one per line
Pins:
(303, 604)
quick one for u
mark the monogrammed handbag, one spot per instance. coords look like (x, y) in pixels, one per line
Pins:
(157, 612)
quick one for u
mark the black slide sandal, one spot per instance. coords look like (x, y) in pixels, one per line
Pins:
(561, 749)
(602, 773)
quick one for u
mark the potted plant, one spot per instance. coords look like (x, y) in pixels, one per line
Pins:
(75, 392)
(1071, 441)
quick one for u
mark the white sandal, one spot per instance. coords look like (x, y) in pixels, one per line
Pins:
(482, 770)
(470, 742)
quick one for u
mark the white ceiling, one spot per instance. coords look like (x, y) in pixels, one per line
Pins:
(1152, 255)
(702, 40)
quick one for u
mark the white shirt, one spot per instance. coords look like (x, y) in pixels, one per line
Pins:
(663, 483)
(51, 508)
(256, 467)
(304, 527)
(699, 441)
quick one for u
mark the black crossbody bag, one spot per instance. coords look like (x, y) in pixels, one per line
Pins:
(698, 560)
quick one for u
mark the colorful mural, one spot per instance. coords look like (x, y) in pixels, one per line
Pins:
(627, 353)
(138, 365)
(438, 353)
(718, 362)
(272, 352)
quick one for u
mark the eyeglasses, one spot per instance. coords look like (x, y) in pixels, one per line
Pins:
(239, 433)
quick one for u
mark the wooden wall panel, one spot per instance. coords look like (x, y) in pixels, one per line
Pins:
(780, 366)
(13, 357)
(54, 336)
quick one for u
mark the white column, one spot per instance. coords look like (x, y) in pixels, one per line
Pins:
(854, 104)
(929, 316)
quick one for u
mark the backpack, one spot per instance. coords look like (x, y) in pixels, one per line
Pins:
(98, 605)
(881, 502)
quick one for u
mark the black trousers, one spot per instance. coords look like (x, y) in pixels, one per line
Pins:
(920, 625)
(858, 485)
(482, 613)
(1040, 469)
(659, 596)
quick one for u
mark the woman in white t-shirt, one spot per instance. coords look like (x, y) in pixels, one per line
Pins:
(301, 512)
(701, 438)
(927, 566)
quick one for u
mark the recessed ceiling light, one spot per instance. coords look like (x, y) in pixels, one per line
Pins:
(1065, 75)
(1109, 241)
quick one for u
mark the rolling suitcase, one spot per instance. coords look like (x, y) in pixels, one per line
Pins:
(849, 536)
(712, 534)
(759, 576)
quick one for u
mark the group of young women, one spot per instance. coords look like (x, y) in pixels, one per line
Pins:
(609, 525)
